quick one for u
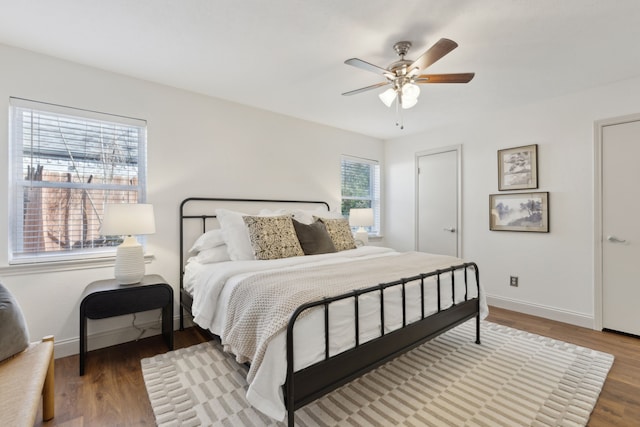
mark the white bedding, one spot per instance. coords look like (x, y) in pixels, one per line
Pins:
(212, 284)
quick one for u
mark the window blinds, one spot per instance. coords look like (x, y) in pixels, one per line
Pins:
(66, 164)
(361, 187)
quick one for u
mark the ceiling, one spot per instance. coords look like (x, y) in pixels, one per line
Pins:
(287, 56)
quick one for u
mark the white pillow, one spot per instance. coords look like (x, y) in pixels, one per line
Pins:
(211, 255)
(306, 216)
(208, 240)
(235, 234)
(271, 212)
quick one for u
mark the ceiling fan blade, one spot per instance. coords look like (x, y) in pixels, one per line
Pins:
(445, 78)
(364, 89)
(364, 65)
(435, 52)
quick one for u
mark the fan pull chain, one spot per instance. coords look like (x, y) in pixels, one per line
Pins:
(399, 118)
(397, 113)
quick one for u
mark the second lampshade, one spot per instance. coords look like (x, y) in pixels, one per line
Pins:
(361, 217)
(128, 219)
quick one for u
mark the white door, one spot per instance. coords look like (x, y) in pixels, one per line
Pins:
(437, 202)
(620, 230)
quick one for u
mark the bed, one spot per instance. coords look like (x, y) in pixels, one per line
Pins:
(318, 319)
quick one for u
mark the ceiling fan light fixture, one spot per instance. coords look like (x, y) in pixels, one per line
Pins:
(408, 102)
(388, 96)
(410, 91)
(404, 75)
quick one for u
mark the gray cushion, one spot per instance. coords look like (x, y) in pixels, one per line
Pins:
(314, 238)
(14, 336)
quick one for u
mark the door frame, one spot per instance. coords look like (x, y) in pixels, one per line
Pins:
(598, 127)
(458, 151)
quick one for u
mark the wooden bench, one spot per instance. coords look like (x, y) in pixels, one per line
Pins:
(24, 379)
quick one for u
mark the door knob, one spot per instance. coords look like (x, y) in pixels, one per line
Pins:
(451, 229)
(614, 239)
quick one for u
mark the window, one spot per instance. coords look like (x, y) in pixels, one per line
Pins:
(65, 165)
(361, 188)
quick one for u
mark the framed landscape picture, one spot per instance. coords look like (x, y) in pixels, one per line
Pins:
(519, 212)
(518, 168)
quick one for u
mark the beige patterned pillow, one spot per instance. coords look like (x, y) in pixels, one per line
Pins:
(340, 233)
(273, 237)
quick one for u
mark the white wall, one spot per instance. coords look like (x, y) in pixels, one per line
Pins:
(197, 146)
(555, 269)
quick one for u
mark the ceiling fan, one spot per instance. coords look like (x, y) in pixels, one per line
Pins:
(404, 75)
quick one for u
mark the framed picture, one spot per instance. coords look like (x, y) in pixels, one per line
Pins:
(519, 212)
(518, 168)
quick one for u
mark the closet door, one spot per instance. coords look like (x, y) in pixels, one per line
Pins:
(620, 227)
(438, 209)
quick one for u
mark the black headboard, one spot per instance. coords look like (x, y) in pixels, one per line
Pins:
(203, 209)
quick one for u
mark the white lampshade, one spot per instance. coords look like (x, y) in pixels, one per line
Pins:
(128, 219)
(410, 94)
(388, 96)
(361, 217)
(408, 102)
(410, 90)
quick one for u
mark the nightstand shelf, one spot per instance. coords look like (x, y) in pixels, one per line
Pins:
(106, 298)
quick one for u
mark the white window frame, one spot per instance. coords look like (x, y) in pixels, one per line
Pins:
(20, 140)
(374, 191)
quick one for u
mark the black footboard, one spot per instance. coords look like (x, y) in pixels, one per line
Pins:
(308, 384)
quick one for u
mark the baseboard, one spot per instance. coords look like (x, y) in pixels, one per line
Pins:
(553, 313)
(71, 346)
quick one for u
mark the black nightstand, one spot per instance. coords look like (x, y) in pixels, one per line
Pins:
(106, 298)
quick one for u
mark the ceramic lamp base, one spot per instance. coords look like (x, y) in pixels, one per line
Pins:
(362, 235)
(129, 267)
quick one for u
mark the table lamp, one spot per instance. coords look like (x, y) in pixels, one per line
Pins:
(361, 217)
(128, 219)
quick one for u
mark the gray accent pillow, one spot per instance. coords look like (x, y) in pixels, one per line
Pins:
(14, 336)
(314, 238)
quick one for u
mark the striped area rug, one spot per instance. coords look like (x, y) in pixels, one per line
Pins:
(513, 378)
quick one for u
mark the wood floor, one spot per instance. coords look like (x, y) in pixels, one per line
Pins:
(112, 391)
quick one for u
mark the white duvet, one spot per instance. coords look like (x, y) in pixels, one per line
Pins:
(211, 286)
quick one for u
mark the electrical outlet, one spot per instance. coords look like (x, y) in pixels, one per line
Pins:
(513, 281)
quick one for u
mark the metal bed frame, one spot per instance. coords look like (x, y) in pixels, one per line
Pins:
(306, 385)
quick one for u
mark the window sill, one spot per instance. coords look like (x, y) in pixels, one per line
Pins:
(59, 266)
